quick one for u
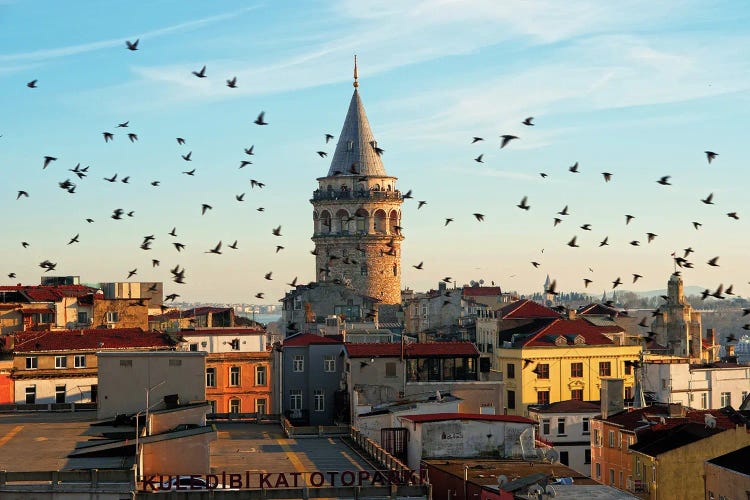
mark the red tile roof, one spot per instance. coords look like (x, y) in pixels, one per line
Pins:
(189, 313)
(481, 291)
(597, 310)
(525, 309)
(40, 293)
(90, 340)
(411, 350)
(439, 417)
(570, 329)
(306, 339)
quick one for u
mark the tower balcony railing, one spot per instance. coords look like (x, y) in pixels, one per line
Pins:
(320, 194)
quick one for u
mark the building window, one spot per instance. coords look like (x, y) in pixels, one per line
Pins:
(605, 369)
(564, 458)
(597, 437)
(31, 363)
(542, 371)
(210, 377)
(61, 361)
(561, 427)
(598, 471)
(545, 427)
(704, 400)
(260, 375)
(79, 361)
(363, 271)
(297, 303)
(611, 439)
(576, 369)
(127, 363)
(542, 397)
(628, 393)
(299, 363)
(390, 370)
(94, 392)
(511, 370)
(112, 317)
(194, 347)
(234, 406)
(726, 399)
(329, 364)
(234, 376)
(30, 394)
(83, 318)
(213, 405)
(295, 399)
(576, 394)
(611, 477)
(511, 400)
(628, 368)
(585, 425)
(59, 394)
(587, 456)
(260, 406)
(319, 399)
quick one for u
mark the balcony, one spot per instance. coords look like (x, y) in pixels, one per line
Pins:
(320, 195)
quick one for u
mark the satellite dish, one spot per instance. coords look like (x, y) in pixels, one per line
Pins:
(481, 282)
(550, 491)
(552, 455)
(502, 479)
(535, 489)
(710, 421)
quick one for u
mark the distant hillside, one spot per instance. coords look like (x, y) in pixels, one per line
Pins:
(688, 290)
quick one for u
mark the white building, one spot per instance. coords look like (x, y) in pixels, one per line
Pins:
(131, 382)
(224, 340)
(700, 386)
(566, 426)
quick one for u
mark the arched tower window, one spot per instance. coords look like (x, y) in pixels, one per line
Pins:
(393, 222)
(361, 219)
(341, 224)
(395, 270)
(380, 222)
(325, 222)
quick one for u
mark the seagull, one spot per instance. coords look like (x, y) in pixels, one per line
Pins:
(132, 45)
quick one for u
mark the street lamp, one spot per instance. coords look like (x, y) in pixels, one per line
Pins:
(148, 391)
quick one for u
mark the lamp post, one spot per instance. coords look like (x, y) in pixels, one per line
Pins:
(148, 391)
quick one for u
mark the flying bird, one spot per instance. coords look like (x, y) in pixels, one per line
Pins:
(574, 168)
(74, 239)
(179, 246)
(604, 242)
(201, 73)
(476, 139)
(132, 137)
(528, 121)
(697, 225)
(544, 176)
(232, 83)
(205, 207)
(187, 157)
(607, 176)
(180, 141)
(636, 276)
(628, 218)
(216, 249)
(268, 276)
(733, 215)
(240, 197)
(108, 136)
(48, 160)
(421, 204)
(586, 282)
(32, 84)
(651, 237)
(328, 137)
(233, 246)
(479, 217)
(276, 231)
(418, 266)
(616, 282)
(22, 193)
(155, 183)
(261, 118)
(572, 242)
(279, 248)
(714, 262)
(664, 181)
(535, 264)
(635, 243)
(132, 273)
(132, 45)
(117, 213)
(564, 211)
(552, 288)
(586, 227)
(322, 154)
(448, 221)
(478, 159)
(245, 163)
(711, 156)
(523, 205)
(708, 200)
(189, 172)
(506, 140)
(123, 124)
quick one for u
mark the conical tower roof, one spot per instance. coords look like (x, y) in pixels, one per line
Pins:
(356, 144)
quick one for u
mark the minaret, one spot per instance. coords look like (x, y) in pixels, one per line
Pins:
(357, 213)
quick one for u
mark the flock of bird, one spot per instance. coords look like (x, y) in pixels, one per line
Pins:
(179, 274)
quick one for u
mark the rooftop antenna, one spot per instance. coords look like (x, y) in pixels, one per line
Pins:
(356, 83)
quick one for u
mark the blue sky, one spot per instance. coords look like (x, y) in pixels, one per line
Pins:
(636, 88)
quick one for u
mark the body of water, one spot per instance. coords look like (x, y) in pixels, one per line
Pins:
(262, 318)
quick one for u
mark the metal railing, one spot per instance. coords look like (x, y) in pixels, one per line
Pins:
(356, 195)
(22, 407)
(92, 477)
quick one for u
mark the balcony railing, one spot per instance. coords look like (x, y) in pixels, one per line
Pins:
(319, 194)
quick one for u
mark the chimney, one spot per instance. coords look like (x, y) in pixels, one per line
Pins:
(571, 314)
(710, 335)
(612, 396)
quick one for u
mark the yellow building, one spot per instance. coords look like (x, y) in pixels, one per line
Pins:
(669, 462)
(551, 359)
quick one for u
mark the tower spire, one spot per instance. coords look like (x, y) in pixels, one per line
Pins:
(356, 83)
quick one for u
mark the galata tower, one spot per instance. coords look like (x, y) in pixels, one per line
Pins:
(357, 213)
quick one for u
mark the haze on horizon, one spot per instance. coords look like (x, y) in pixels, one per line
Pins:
(637, 89)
